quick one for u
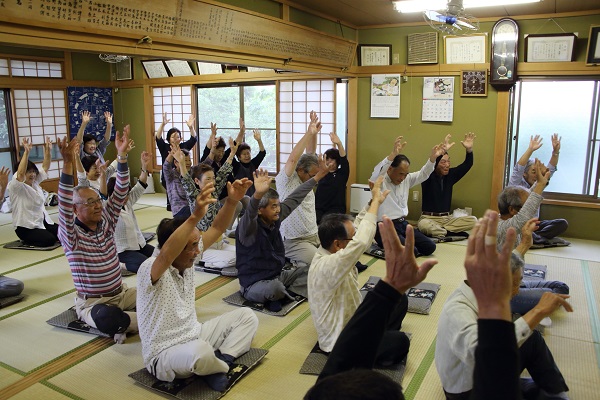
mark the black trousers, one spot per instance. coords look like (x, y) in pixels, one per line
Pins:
(424, 246)
(39, 237)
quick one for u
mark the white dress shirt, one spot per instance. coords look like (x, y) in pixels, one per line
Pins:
(396, 204)
(457, 339)
(27, 202)
(128, 235)
(333, 289)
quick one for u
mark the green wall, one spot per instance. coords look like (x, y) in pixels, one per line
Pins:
(88, 67)
(376, 137)
(475, 114)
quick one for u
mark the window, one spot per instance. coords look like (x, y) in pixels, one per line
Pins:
(35, 69)
(176, 101)
(3, 67)
(6, 154)
(296, 100)
(41, 114)
(569, 108)
(255, 103)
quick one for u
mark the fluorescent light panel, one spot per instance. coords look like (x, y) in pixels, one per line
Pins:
(412, 6)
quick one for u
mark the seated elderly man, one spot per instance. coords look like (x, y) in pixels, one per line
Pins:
(525, 175)
(398, 180)
(436, 215)
(457, 340)
(174, 344)
(86, 229)
(300, 232)
(333, 288)
(260, 252)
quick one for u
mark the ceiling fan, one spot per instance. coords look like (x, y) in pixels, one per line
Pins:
(453, 20)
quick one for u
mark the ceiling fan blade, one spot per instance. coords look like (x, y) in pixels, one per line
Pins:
(465, 24)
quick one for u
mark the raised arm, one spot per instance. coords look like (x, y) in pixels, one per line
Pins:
(102, 180)
(180, 157)
(555, 150)
(22, 169)
(145, 158)
(314, 127)
(233, 146)
(109, 123)
(338, 143)
(527, 236)
(47, 154)
(190, 125)
(248, 224)
(535, 142)
(161, 127)
(179, 239)
(258, 138)
(85, 119)
(235, 192)
(240, 137)
(399, 144)
(213, 135)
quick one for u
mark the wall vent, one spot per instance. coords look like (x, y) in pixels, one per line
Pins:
(423, 48)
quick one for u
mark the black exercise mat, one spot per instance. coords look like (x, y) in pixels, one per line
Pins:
(237, 299)
(69, 320)
(19, 245)
(420, 297)
(194, 388)
(10, 300)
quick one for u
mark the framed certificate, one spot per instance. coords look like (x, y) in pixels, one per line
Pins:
(179, 68)
(374, 54)
(155, 69)
(553, 47)
(465, 49)
(593, 50)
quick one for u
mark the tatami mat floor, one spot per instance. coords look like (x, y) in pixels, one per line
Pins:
(38, 361)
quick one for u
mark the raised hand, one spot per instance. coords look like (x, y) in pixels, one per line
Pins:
(262, 182)
(242, 126)
(213, 129)
(447, 144)
(48, 144)
(130, 145)
(68, 149)
(233, 145)
(4, 177)
(108, 117)
(436, 151)
(334, 138)
(179, 155)
(399, 144)
(543, 173)
(402, 270)
(204, 199)
(468, 142)
(314, 126)
(257, 135)
(145, 158)
(556, 143)
(376, 193)
(165, 120)
(323, 168)
(237, 190)
(488, 271)
(102, 167)
(122, 141)
(535, 142)
(85, 117)
(27, 145)
(190, 122)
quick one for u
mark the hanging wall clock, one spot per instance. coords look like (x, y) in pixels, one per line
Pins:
(505, 47)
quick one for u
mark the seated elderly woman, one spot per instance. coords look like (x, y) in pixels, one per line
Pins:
(32, 223)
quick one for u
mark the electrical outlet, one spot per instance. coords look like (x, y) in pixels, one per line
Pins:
(415, 195)
(396, 58)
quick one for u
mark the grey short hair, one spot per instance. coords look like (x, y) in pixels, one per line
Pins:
(79, 188)
(528, 165)
(271, 194)
(510, 196)
(516, 262)
(306, 162)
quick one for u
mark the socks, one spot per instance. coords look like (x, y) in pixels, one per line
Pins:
(220, 381)
(273, 306)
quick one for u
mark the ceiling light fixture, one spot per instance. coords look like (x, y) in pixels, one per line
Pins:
(412, 6)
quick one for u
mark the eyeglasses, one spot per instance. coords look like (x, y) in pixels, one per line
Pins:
(91, 203)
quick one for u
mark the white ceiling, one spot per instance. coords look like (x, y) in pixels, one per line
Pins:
(380, 12)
